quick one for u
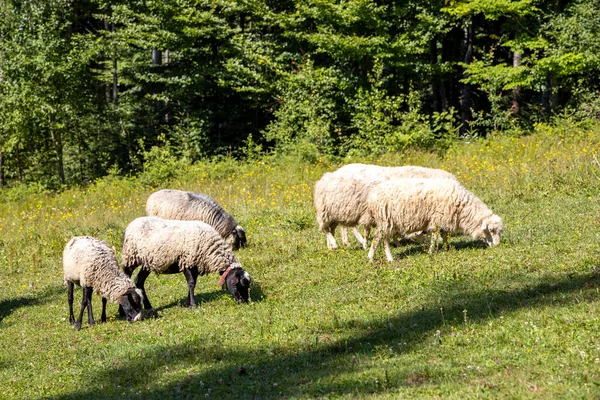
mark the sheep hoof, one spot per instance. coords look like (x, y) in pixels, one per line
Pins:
(152, 313)
(77, 326)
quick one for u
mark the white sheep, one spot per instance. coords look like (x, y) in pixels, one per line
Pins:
(191, 247)
(377, 172)
(365, 176)
(181, 205)
(91, 264)
(401, 206)
(341, 200)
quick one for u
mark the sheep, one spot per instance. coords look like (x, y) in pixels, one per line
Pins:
(191, 247)
(376, 173)
(177, 204)
(91, 264)
(341, 200)
(403, 206)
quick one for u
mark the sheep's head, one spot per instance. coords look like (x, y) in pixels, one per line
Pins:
(239, 237)
(237, 282)
(132, 302)
(492, 228)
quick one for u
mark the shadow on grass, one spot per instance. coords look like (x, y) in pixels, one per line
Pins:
(405, 247)
(256, 295)
(235, 373)
(8, 306)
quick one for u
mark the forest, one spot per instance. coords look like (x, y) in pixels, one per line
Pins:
(96, 87)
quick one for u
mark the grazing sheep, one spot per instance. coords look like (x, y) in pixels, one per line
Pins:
(341, 200)
(191, 247)
(177, 204)
(402, 206)
(375, 173)
(91, 264)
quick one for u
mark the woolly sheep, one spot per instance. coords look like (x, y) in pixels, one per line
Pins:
(91, 264)
(177, 204)
(191, 247)
(341, 200)
(377, 172)
(401, 206)
(368, 176)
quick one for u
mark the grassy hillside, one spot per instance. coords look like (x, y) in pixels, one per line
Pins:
(518, 320)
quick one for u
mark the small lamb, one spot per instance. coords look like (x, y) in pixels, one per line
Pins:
(177, 204)
(402, 206)
(190, 247)
(91, 264)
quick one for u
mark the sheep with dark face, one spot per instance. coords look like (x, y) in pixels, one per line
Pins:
(401, 206)
(91, 264)
(190, 247)
(180, 205)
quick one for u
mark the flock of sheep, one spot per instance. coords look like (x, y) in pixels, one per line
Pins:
(190, 233)
(398, 202)
(183, 232)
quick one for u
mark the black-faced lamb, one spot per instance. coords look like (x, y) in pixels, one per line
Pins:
(401, 206)
(91, 264)
(181, 205)
(190, 247)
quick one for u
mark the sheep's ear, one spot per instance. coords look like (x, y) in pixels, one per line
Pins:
(484, 225)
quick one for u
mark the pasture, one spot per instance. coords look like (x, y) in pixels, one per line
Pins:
(520, 320)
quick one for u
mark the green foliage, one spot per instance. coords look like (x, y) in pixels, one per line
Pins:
(305, 121)
(162, 165)
(387, 123)
(82, 84)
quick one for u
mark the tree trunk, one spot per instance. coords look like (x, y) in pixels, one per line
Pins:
(515, 107)
(553, 92)
(435, 81)
(466, 89)
(156, 57)
(1, 170)
(549, 97)
(19, 169)
(58, 148)
(114, 72)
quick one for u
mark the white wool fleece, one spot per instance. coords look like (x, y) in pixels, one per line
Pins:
(157, 243)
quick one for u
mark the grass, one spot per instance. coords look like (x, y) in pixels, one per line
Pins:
(516, 321)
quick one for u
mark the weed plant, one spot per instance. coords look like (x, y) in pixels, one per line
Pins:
(519, 320)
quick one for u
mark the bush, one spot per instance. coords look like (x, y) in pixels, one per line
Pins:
(162, 165)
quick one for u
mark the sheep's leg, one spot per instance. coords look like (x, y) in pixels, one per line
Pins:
(444, 236)
(359, 237)
(388, 252)
(331, 243)
(83, 305)
(191, 275)
(139, 283)
(434, 241)
(103, 316)
(374, 245)
(88, 293)
(344, 233)
(70, 286)
(128, 271)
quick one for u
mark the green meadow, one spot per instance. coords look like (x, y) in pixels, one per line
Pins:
(520, 320)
